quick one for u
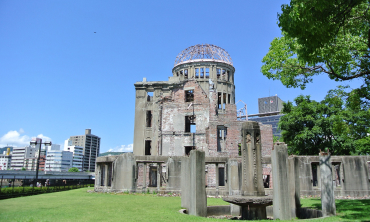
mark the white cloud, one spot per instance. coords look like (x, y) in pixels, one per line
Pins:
(14, 138)
(122, 148)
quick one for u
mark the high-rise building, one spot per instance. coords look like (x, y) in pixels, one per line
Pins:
(269, 113)
(77, 154)
(91, 148)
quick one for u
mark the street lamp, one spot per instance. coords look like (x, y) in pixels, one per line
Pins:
(35, 142)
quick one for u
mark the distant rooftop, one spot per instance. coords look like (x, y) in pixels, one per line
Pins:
(203, 52)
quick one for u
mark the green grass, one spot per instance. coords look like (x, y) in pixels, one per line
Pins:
(79, 205)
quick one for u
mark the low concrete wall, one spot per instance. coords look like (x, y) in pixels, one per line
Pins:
(218, 210)
(304, 213)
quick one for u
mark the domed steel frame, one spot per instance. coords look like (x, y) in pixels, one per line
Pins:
(203, 52)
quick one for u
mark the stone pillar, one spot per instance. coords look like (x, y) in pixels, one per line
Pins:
(159, 169)
(173, 174)
(144, 177)
(198, 196)
(294, 185)
(281, 191)
(252, 181)
(327, 188)
(106, 175)
(185, 182)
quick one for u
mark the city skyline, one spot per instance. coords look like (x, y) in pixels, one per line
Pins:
(71, 66)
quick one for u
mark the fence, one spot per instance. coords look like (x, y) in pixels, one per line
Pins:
(25, 187)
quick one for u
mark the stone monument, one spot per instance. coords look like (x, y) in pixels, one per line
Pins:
(252, 200)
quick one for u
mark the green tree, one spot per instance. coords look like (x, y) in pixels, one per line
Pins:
(330, 37)
(73, 169)
(23, 169)
(335, 123)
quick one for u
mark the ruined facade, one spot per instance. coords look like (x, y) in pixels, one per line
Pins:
(195, 109)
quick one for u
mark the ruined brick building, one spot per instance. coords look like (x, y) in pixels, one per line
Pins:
(195, 109)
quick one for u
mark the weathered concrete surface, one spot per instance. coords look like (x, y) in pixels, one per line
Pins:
(327, 188)
(185, 184)
(282, 200)
(355, 180)
(197, 197)
(294, 185)
(252, 181)
(125, 168)
(173, 174)
(218, 210)
(253, 208)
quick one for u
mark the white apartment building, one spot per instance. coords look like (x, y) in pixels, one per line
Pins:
(20, 154)
(58, 160)
(5, 160)
(77, 154)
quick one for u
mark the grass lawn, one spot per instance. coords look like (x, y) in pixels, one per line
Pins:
(79, 205)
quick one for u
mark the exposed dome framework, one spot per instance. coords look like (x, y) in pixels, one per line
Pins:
(203, 52)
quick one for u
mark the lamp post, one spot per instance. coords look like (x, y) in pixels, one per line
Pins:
(35, 142)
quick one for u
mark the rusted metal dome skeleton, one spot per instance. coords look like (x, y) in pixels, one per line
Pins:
(203, 52)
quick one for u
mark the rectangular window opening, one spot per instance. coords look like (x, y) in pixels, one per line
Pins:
(202, 73)
(196, 73)
(153, 176)
(150, 96)
(148, 118)
(148, 147)
(219, 100)
(189, 95)
(188, 149)
(221, 138)
(218, 73)
(228, 76)
(190, 124)
(266, 181)
(223, 74)
(224, 101)
(207, 73)
(102, 175)
(336, 171)
(181, 72)
(239, 149)
(315, 168)
(221, 176)
(228, 98)
(185, 73)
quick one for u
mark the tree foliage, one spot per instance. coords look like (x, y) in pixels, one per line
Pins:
(73, 169)
(336, 123)
(330, 37)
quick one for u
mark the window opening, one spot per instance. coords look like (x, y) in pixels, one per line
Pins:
(148, 147)
(188, 149)
(189, 95)
(152, 176)
(239, 149)
(189, 123)
(181, 72)
(109, 174)
(266, 181)
(202, 73)
(196, 73)
(150, 96)
(221, 176)
(148, 118)
(224, 102)
(177, 73)
(219, 100)
(228, 98)
(186, 73)
(218, 73)
(207, 73)
(223, 74)
(221, 138)
(227, 75)
(336, 171)
(102, 175)
(315, 168)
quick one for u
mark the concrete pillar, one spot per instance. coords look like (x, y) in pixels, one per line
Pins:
(294, 185)
(327, 188)
(281, 191)
(173, 174)
(233, 184)
(185, 182)
(198, 196)
(144, 177)
(106, 174)
(159, 169)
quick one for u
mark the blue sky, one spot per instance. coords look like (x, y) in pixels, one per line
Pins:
(59, 77)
